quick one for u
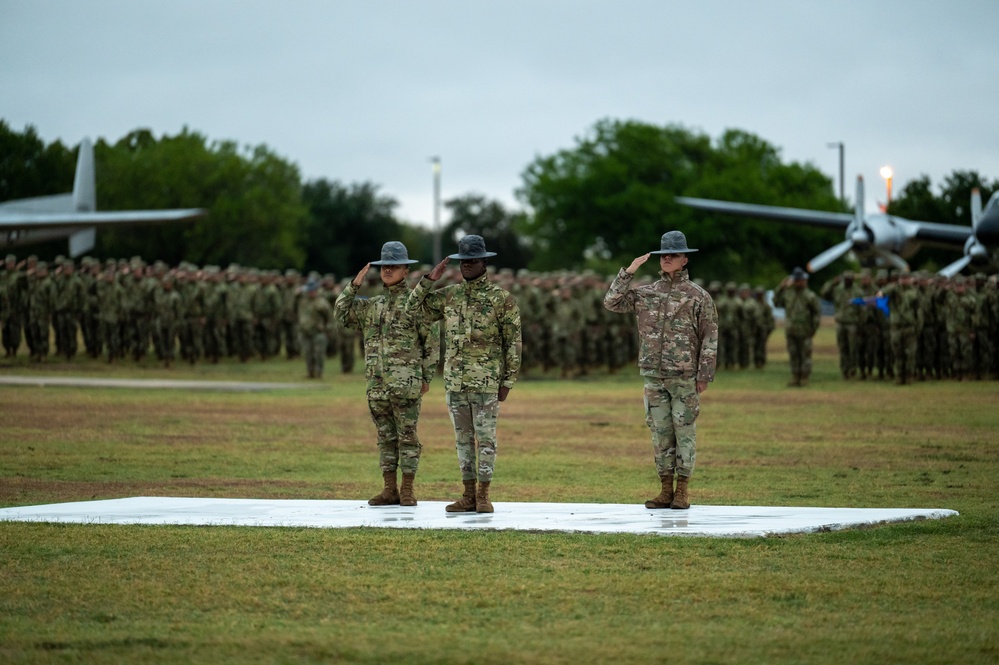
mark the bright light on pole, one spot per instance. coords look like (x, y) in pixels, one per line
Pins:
(887, 174)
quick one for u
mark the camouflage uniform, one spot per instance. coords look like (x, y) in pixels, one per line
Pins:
(13, 300)
(802, 315)
(961, 324)
(903, 318)
(729, 327)
(678, 337)
(400, 357)
(41, 303)
(482, 336)
(70, 298)
(841, 291)
(315, 323)
(110, 305)
(168, 320)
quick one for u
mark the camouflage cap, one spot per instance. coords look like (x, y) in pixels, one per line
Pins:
(394, 253)
(799, 273)
(673, 242)
(472, 247)
(11, 258)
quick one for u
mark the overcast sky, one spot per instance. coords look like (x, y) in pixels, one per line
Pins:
(368, 91)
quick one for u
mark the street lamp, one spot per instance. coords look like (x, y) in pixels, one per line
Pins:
(436, 161)
(887, 173)
(839, 144)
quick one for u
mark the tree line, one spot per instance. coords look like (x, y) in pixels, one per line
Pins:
(595, 205)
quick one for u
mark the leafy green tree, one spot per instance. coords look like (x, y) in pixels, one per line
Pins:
(30, 168)
(348, 226)
(475, 214)
(255, 210)
(951, 206)
(611, 197)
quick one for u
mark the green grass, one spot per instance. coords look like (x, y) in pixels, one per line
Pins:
(915, 592)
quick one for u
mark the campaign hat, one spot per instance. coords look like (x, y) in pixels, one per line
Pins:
(673, 242)
(394, 253)
(472, 247)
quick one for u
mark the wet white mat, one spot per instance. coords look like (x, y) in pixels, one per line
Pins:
(723, 521)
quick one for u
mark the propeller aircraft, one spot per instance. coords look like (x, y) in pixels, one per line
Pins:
(879, 238)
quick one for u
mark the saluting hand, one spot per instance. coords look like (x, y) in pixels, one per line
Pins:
(438, 270)
(637, 263)
(360, 276)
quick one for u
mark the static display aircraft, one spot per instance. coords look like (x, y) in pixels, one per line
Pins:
(75, 215)
(879, 239)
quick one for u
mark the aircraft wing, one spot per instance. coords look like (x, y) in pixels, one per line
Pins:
(29, 221)
(948, 235)
(829, 220)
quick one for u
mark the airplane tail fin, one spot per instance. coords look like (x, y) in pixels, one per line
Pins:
(84, 184)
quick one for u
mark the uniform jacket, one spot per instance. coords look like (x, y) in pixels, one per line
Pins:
(677, 325)
(482, 332)
(802, 311)
(401, 349)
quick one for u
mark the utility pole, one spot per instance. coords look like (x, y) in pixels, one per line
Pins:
(839, 144)
(436, 161)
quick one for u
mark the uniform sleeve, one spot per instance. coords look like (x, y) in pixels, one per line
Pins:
(350, 310)
(620, 298)
(430, 349)
(707, 330)
(511, 340)
(425, 303)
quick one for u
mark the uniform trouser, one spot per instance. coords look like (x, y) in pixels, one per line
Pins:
(292, 346)
(346, 343)
(962, 353)
(671, 408)
(474, 418)
(165, 336)
(111, 333)
(12, 333)
(66, 326)
(760, 348)
(242, 338)
(215, 339)
(849, 352)
(395, 421)
(192, 339)
(728, 346)
(903, 348)
(314, 352)
(799, 353)
(38, 333)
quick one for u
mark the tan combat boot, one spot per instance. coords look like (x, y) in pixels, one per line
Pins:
(680, 499)
(665, 497)
(482, 502)
(466, 504)
(390, 495)
(406, 495)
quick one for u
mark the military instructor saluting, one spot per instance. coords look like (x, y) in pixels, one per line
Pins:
(678, 334)
(481, 361)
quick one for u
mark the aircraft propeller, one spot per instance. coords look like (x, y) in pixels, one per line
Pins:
(974, 248)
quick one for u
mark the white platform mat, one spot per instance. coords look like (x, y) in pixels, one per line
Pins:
(722, 521)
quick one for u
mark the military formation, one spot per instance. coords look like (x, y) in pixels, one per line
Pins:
(123, 309)
(915, 326)
(128, 309)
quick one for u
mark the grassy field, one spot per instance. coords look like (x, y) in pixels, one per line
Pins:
(916, 592)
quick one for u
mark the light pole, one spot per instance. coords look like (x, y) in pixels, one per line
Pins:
(887, 173)
(436, 161)
(840, 145)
